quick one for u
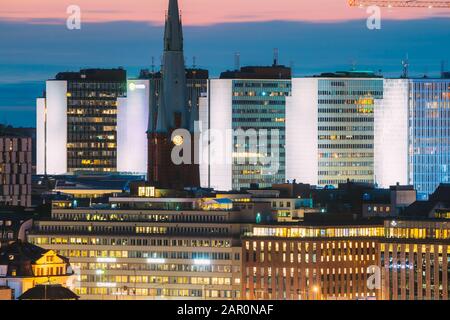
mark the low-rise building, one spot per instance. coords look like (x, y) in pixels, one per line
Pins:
(394, 260)
(152, 248)
(310, 262)
(24, 265)
(415, 260)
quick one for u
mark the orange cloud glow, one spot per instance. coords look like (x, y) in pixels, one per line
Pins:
(202, 12)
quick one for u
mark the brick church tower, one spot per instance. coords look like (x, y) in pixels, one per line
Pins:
(172, 113)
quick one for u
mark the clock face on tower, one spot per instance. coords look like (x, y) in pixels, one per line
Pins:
(177, 140)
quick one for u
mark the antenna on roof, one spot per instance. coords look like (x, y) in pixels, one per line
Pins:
(153, 64)
(237, 61)
(275, 57)
(405, 64)
(194, 62)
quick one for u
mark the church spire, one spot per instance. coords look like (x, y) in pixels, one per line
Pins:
(173, 111)
(173, 35)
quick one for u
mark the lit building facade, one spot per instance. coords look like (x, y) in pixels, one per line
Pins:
(391, 134)
(429, 134)
(77, 121)
(415, 260)
(23, 266)
(310, 262)
(330, 128)
(394, 260)
(15, 171)
(253, 100)
(151, 248)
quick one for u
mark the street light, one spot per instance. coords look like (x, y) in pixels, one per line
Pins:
(315, 289)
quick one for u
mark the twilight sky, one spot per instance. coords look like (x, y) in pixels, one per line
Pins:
(201, 12)
(313, 36)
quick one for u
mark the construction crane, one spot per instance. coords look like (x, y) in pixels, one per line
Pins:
(401, 3)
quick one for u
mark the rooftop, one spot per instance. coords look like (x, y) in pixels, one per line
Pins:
(20, 256)
(349, 74)
(107, 75)
(49, 292)
(274, 72)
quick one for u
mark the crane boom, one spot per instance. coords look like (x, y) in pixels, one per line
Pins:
(401, 3)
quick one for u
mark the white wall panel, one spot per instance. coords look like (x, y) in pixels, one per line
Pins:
(302, 131)
(132, 122)
(56, 127)
(391, 134)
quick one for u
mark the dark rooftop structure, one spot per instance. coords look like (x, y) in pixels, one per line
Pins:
(349, 74)
(9, 131)
(14, 223)
(191, 73)
(49, 292)
(438, 201)
(259, 72)
(107, 75)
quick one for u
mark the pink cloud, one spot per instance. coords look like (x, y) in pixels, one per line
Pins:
(203, 12)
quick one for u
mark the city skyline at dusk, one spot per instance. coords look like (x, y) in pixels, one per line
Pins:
(238, 152)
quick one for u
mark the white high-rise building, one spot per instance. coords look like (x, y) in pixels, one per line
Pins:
(245, 114)
(95, 120)
(77, 122)
(215, 113)
(51, 129)
(302, 131)
(391, 134)
(132, 123)
(330, 128)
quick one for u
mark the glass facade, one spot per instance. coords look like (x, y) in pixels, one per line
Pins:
(259, 105)
(92, 122)
(429, 134)
(346, 129)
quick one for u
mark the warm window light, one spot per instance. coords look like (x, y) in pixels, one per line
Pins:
(146, 191)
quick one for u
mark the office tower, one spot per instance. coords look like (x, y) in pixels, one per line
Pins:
(173, 113)
(15, 170)
(330, 128)
(429, 134)
(77, 120)
(151, 247)
(251, 101)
